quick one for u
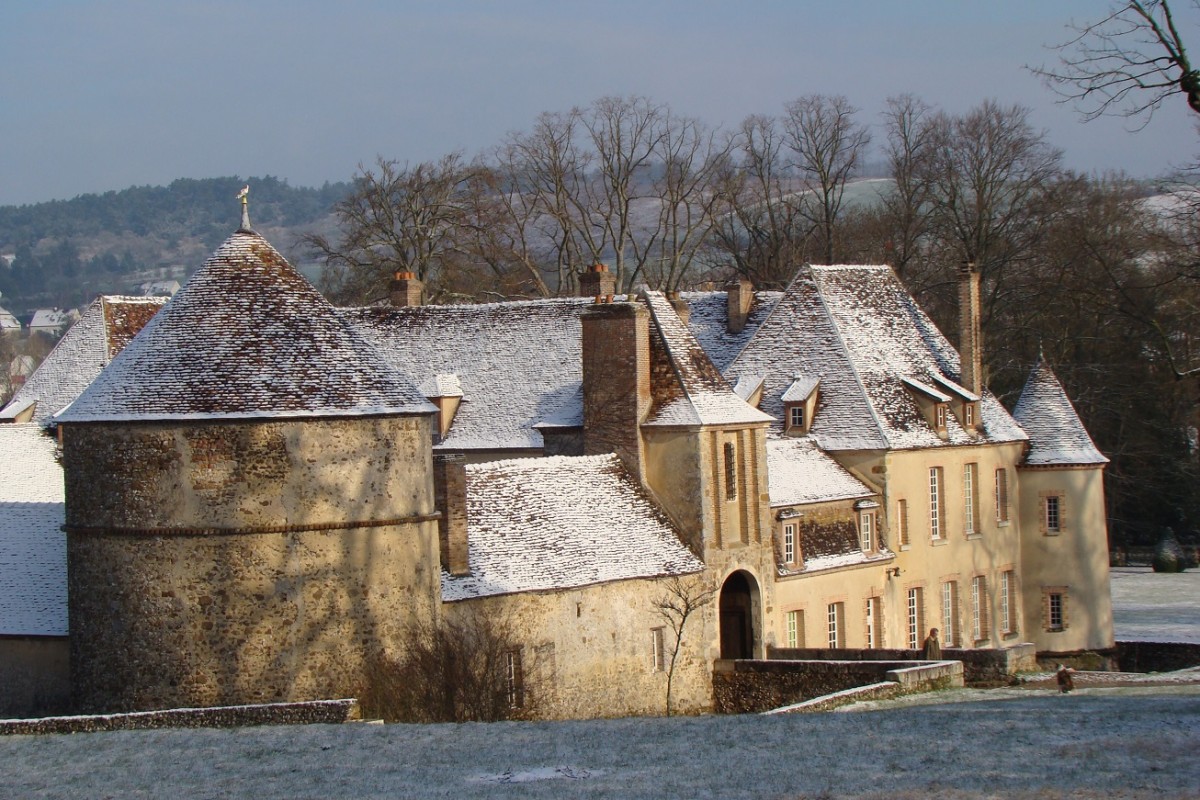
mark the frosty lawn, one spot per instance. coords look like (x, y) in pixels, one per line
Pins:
(1131, 742)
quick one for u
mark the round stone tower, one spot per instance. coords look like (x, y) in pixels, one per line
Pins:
(250, 508)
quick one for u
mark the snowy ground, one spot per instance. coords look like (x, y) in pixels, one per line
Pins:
(1134, 742)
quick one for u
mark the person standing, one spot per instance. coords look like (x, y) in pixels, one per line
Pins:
(932, 649)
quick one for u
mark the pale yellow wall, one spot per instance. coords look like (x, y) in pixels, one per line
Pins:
(811, 595)
(927, 564)
(587, 652)
(1075, 561)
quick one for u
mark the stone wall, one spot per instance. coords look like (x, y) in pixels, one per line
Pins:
(329, 712)
(980, 667)
(744, 687)
(1157, 656)
(244, 563)
(35, 676)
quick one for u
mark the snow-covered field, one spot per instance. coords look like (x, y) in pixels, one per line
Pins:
(1129, 742)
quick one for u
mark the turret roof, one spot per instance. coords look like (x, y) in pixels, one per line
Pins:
(1056, 434)
(247, 337)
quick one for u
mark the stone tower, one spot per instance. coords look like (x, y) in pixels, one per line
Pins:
(250, 506)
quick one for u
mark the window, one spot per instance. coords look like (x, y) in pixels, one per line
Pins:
(730, 471)
(916, 618)
(1054, 608)
(1052, 514)
(789, 543)
(866, 531)
(950, 632)
(936, 503)
(1007, 586)
(796, 419)
(795, 625)
(902, 522)
(837, 633)
(658, 650)
(514, 679)
(969, 415)
(940, 416)
(874, 622)
(979, 625)
(970, 511)
(1002, 496)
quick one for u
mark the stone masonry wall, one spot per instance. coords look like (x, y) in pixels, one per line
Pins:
(35, 676)
(203, 571)
(980, 667)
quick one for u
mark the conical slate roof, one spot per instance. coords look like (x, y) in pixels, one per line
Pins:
(1056, 435)
(247, 337)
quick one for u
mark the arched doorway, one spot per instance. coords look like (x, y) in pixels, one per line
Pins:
(737, 615)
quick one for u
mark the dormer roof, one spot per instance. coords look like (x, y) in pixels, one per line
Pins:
(699, 395)
(1056, 434)
(247, 338)
(858, 331)
(800, 473)
(800, 389)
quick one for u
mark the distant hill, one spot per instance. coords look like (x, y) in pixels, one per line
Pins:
(63, 253)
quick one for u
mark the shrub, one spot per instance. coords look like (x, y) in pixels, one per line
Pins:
(1168, 555)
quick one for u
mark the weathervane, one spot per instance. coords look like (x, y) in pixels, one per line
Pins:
(243, 195)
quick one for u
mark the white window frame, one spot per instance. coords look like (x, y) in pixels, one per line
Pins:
(979, 629)
(1052, 514)
(796, 417)
(1006, 588)
(1056, 611)
(792, 633)
(836, 617)
(936, 505)
(866, 531)
(872, 611)
(789, 543)
(1002, 510)
(916, 623)
(939, 416)
(949, 613)
(969, 414)
(970, 471)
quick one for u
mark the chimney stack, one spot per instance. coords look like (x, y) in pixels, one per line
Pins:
(970, 337)
(740, 299)
(597, 281)
(406, 290)
(616, 381)
(450, 486)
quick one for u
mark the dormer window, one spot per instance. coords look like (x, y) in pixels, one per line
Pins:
(968, 415)
(965, 403)
(933, 403)
(940, 417)
(799, 405)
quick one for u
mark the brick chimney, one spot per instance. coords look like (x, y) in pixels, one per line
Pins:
(450, 486)
(739, 295)
(597, 282)
(406, 290)
(680, 306)
(616, 381)
(970, 338)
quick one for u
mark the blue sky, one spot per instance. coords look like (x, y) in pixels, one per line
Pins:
(104, 95)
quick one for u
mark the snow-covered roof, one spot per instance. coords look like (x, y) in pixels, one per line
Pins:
(540, 524)
(1056, 434)
(107, 325)
(49, 318)
(708, 320)
(800, 388)
(8, 322)
(442, 386)
(800, 473)
(247, 338)
(518, 363)
(699, 395)
(33, 549)
(857, 330)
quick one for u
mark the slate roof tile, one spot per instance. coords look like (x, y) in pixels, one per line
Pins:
(1056, 434)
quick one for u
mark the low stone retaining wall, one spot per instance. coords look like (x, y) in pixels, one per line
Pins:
(1157, 656)
(986, 667)
(743, 687)
(317, 711)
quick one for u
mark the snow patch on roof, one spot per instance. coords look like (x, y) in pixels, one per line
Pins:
(105, 328)
(33, 548)
(561, 522)
(1056, 434)
(800, 473)
(708, 320)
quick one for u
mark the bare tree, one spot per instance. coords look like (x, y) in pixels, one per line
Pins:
(827, 147)
(681, 599)
(758, 227)
(397, 219)
(909, 145)
(1125, 64)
